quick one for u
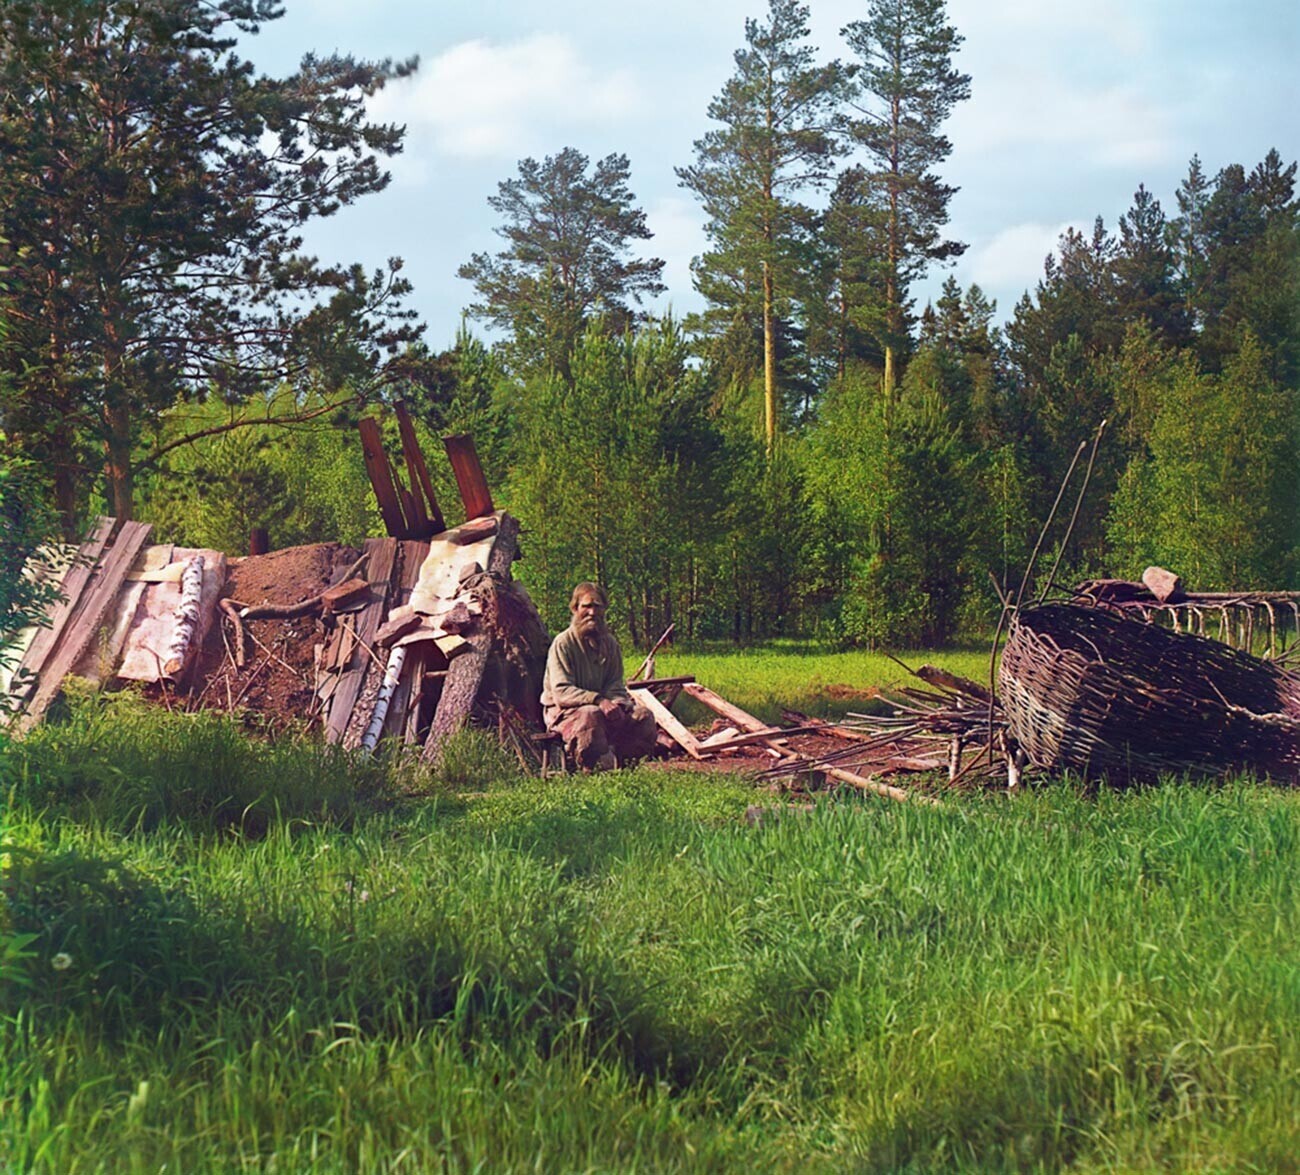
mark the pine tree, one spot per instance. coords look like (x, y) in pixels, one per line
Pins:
(152, 189)
(907, 87)
(567, 258)
(774, 145)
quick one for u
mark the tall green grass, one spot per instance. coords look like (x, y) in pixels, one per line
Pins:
(623, 973)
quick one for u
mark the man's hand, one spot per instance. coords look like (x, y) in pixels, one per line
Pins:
(612, 708)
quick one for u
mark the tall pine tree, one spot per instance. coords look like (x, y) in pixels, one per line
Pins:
(774, 145)
(907, 87)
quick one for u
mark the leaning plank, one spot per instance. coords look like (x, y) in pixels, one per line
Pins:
(776, 747)
(90, 614)
(74, 584)
(670, 724)
(465, 673)
(725, 709)
(381, 476)
(379, 570)
(471, 482)
(418, 471)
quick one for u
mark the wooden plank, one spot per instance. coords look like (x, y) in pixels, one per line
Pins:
(381, 477)
(670, 724)
(73, 585)
(776, 747)
(755, 736)
(419, 472)
(93, 609)
(723, 708)
(470, 479)
(379, 571)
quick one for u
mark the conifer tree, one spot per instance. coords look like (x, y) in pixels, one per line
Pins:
(567, 257)
(906, 88)
(152, 191)
(774, 145)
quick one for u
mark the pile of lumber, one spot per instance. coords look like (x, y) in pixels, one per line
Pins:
(422, 634)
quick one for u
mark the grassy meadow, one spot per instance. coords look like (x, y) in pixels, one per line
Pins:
(224, 956)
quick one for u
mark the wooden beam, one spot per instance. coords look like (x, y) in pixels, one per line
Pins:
(754, 736)
(381, 477)
(723, 708)
(470, 479)
(776, 747)
(419, 472)
(378, 572)
(74, 584)
(670, 724)
(89, 617)
(655, 682)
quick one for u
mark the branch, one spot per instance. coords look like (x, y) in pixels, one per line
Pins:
(219, 429)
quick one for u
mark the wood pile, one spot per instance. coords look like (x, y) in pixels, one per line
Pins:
(420, 635)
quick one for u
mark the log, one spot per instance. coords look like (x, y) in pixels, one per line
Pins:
(1164, 585)
(863, 783)
(187, 617)
(933, 675)
(465, 674)
(392, 675)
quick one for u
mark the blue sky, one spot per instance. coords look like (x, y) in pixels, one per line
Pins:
(1072, 106)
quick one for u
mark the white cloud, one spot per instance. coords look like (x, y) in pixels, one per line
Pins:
(1032, 110)
(1014, 258)
(481, 99)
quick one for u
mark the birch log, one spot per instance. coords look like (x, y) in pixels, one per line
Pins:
(187, 617)
(392, 675)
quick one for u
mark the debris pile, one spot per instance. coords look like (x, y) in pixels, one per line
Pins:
(410, 638)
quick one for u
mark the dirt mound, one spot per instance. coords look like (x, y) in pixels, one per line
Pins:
(276, 687)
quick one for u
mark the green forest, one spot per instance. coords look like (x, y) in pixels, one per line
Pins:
(819, 452)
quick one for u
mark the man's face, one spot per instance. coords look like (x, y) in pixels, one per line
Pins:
(589, 615)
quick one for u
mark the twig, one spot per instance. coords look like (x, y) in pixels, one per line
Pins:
(1078, 504)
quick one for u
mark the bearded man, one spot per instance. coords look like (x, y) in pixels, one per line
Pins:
(584, 696)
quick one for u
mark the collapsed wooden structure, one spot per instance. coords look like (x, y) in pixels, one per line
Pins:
(410, 640)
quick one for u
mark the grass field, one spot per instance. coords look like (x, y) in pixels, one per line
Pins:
(227, 957)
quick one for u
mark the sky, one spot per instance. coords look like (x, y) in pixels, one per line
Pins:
(1072, 106)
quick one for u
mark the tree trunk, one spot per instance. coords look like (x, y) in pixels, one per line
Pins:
(117, 460)
(769, 360)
